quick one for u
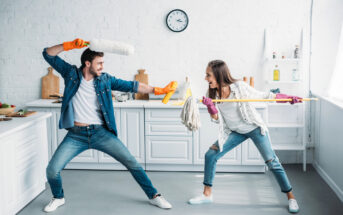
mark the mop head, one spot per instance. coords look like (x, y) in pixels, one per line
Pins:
(190, 115)
(100, 45)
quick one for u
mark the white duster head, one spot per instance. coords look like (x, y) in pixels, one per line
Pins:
(100, 45)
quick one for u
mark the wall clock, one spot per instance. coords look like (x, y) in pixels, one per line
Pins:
(177, 20)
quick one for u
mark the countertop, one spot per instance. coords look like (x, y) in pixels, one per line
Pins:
(48, 103)
(18, 123)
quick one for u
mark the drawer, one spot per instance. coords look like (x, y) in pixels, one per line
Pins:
(169, 150)
(163, 115)
(166, 128)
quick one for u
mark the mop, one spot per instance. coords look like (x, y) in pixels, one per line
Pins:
(190, 116)
(116, 47)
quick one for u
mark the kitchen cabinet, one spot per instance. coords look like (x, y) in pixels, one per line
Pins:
(88, 156)
(130, 126)
(155, 136)
(167, 140)
(206, 136)
(245, 156)
(23, 160)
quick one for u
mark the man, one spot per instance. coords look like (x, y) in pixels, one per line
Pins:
(87, 114)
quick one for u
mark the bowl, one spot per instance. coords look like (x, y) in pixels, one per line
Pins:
(4, 111)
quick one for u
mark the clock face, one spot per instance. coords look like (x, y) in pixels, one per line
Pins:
(177, 20)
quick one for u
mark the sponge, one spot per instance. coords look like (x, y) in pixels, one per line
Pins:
(116, 47)
(168, 95)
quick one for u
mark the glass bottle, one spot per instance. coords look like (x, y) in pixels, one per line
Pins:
(295, 74)
(274, 55)
(296, 51)
(276, 74)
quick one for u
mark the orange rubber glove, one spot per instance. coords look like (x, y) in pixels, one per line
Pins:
(165, 90)
(75, 44)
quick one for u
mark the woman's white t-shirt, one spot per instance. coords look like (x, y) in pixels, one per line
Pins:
(233, 118)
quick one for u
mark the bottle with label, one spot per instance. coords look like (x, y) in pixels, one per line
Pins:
(252, 81)
(296, 51)
(276, 74)
(295, 74)
(245, 79)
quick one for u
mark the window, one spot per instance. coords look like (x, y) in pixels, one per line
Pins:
(336, 84)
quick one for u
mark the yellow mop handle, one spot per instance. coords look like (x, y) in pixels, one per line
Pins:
(260, 100)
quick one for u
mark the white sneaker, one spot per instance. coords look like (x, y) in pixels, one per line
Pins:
(54, 204)
(201, 200)
(293, 206)
(160, 202)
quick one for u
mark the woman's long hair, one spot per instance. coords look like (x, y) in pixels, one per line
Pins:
(223, 77)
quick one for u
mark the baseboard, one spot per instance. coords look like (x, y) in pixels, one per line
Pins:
(328, 180)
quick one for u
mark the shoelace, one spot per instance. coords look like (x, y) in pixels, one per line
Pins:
(293, 204)
(52, 200)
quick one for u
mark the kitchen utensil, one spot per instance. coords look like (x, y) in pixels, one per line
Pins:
(16, 114)
(143, 78)
(50, 84)
(252, 81)
(5, 119)
(121, 96)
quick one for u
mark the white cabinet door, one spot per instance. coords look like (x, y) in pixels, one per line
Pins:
(250, 154)
(132, 131)
(206, 136)
(130, 126)
(103, 157)
(23, 160)
(52, 129)
(7, 176)
(168, 149)
(88, 156)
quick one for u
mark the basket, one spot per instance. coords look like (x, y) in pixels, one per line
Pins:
(4, 111)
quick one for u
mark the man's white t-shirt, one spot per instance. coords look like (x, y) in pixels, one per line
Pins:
(86, 105)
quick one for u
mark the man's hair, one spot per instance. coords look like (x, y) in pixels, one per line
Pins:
(89, 55)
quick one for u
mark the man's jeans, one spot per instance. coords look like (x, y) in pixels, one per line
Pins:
(97, 137)
(262, 143)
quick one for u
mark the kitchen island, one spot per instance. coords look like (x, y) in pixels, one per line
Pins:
(23, 160)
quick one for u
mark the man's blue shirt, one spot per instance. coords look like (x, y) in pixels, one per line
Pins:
(103, 85)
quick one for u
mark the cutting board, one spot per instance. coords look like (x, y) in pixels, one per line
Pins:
(28, 113)
(50, 84)
(143, 78)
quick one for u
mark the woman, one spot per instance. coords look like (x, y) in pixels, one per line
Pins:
(239, 121)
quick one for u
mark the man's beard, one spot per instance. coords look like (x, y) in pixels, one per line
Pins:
(91, 71)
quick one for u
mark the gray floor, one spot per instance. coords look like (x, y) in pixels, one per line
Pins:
(116, 192)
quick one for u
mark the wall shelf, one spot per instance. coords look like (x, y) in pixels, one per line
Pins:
(286, 122)
(288, 147)
(285, 125)
(285, 60)
(283, 82)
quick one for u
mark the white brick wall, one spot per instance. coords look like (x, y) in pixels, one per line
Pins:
(231, 30)
(225, 29)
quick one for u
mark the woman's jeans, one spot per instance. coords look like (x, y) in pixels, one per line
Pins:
(97, 137)
(262, 143)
